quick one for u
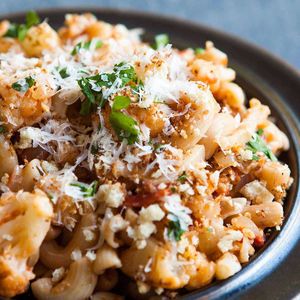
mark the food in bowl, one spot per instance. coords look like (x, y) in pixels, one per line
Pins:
(128, 169)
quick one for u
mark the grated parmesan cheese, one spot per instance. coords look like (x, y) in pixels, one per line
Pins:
(178, 212)
(58, 274)
(76, 254)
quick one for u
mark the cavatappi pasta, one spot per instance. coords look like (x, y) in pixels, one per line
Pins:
(128, 170)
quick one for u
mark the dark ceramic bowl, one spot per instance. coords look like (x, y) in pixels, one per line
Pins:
(262, 76)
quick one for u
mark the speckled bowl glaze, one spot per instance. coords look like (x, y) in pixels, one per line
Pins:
(262, 76)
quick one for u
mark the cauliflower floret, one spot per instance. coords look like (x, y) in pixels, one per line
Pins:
(165, 268)
(25, 218)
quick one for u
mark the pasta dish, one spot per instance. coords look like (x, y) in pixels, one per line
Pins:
(128, 169)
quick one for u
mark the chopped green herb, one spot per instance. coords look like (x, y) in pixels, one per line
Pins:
(2, 129)
(160, 40)
(183, 177)
(158, 147)
(92, 98)
(199, 51)
(124, 126)
(94, 149)
(32, 19)
(174, 230)
(20, 30)
(173, 189)
(64, 73)
(24, 84)
(86, 45)
(257, 144)
(12, 31)
(260, 132)
(120, 102)
(87, 190)
(83, 72)
(138, 87)
(93, 86)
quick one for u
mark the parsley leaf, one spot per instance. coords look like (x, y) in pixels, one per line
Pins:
(32, 19)
(94, 149)
(199, 51)
(257, 144)
(92, 97)
(160, 40)
(2, 129)
(260, 132)
(87, 190)
(20, 30)
(93, 86)
(86, 45)
(120, 102)
(124, 126)
(182, 178)
(174, 230)
(64, 73)
(23, 85)
(173, 189)
(158, 147)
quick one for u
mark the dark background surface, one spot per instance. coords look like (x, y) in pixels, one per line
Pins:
(272, 24)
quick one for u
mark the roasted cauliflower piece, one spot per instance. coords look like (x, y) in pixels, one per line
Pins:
(24, 222)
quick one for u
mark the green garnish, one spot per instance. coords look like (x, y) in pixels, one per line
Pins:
(24, 84)
(94, 149)
(174, 230)
(86, 45)
(125, 126)
(257, 144)
(87, 190)
(199, 51)
(173, 189)
(93, 86)
(160, 40)
(120, 102)
(20, 30)
(260, 131)
(2, 129)
(32, 19)
(183, 177)
(158, 147)
(64, 73)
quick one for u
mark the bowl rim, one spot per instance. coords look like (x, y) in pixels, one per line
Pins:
(278, 247)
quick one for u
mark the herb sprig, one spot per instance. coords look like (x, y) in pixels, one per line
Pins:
(199, 50)
(183, 177)
(19, 31)
(87, 191)
(2, 129)
(257, 144)
(175, 231)
(23, 85)
(160, 41)
(63, 72)
(93, 87)
(124, 126)
(86, 45)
